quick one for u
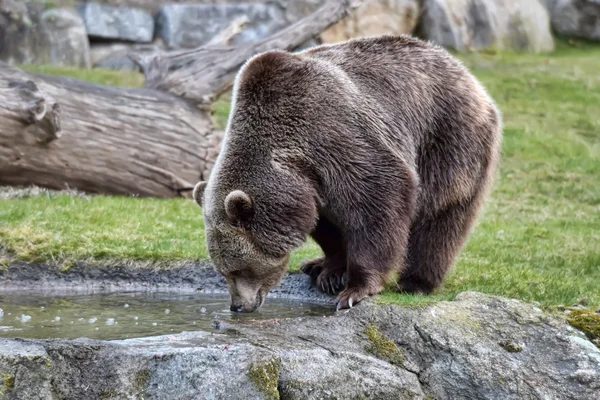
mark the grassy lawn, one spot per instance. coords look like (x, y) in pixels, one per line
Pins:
(538, 239)
(96, 75)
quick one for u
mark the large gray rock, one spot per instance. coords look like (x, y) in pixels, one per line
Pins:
(30, 35)
(481, 24)
(154, 5)
(578, 18)
(120, 23)
(295, 10)
(192, 25)
(67, 36)
(116, 55)
(376, 17)
(477, 347)
(20, 37)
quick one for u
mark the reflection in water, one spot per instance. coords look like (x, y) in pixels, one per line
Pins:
(109, 316)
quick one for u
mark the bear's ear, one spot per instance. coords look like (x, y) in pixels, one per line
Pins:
(238, 206)
(198, 192)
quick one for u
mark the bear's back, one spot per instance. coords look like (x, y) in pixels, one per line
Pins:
(405, 76)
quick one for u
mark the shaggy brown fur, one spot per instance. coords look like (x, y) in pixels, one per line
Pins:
(380, 148)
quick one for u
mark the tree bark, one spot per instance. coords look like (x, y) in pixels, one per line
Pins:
(157, 141)
(203, 73)
(112, 140)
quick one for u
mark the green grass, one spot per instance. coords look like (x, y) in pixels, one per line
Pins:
(95, 75)
(538, 238)
(63, 227)
(221, 110)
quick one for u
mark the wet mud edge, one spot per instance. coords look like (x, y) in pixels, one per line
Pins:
(82, 278)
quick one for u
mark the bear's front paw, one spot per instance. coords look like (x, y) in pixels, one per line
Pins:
(414, 286)
(331, 281)
(313, 268)
(350, 297)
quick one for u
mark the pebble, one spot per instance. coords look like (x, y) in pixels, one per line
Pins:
(167, 311)
(92, 320)
(126, 306)
(584, 376)
(110, 321)
(57, 318)
(24, 318)
(154, 324)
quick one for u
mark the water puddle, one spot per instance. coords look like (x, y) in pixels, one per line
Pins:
(109, 316)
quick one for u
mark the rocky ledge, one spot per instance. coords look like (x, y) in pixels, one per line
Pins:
(476, 347)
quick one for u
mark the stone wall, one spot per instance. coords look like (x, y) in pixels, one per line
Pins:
(101, 32)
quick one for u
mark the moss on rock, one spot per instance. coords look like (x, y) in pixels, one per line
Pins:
(265, 376)
(7, 383)
(381, 346)
(110, 394)
(141, 379)
(587, 321)
(510, 346)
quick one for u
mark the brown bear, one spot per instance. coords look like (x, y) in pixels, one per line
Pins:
(382, 149)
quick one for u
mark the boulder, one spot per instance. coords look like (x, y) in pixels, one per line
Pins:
(116, 55)
(119, 23)
(67, 36)
(295, 10)
(577, 18)
(376, 17)
(477, 347)
(21, 40)
(192, 25)
(101, 51)
(154, 5)
(119, 61)
(30, 35)
(480, 24)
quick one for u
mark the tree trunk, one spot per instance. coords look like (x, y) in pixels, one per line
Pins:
(203, 73)
(158, 141)
(113, 140)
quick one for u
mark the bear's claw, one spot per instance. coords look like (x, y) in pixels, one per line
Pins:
(328, 276)
(330, 281)
(339, 305)
(352, 296)
(313, 268)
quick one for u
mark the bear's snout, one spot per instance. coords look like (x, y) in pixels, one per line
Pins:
(246, 307)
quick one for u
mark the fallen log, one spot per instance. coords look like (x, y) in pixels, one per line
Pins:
(112, 140)
(157, 141)
(202, 73)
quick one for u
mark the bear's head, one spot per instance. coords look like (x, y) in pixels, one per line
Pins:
(250, 270)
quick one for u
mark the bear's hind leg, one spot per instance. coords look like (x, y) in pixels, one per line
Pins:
(434, 243)
(327, 271)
